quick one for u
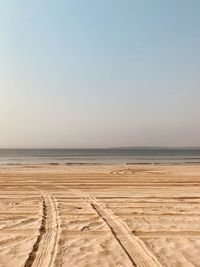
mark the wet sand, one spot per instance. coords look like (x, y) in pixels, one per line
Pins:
(103, 215)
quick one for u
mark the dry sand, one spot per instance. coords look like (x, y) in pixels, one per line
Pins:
(111, 215)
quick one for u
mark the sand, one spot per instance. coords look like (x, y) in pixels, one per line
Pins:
(103, 215)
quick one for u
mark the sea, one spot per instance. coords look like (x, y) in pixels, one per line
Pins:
(136, 155)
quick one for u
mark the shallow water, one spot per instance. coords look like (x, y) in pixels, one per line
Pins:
(98, 156)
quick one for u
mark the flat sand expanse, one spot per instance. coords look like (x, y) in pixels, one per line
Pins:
(103, 215)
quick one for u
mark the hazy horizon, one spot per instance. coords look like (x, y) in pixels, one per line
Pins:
(103, 148)
(99, 74)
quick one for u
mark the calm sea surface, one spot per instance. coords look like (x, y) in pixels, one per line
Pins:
(95, 156)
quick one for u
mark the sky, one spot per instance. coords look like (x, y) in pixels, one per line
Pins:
(99, 73)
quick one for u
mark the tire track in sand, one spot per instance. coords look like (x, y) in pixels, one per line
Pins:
(45, 248)
(134, 247)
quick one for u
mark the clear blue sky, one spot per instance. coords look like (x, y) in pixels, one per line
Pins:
(99, 73)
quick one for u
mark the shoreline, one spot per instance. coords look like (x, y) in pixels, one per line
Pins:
(104, 164)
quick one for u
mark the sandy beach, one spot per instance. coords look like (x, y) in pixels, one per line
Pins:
(100, 215)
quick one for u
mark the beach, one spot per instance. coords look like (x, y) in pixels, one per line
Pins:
(100, 140)
(82, 215)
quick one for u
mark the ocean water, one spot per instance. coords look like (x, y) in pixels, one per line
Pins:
(98, 156)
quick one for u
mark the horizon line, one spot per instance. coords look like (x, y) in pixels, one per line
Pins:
(113, 147)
